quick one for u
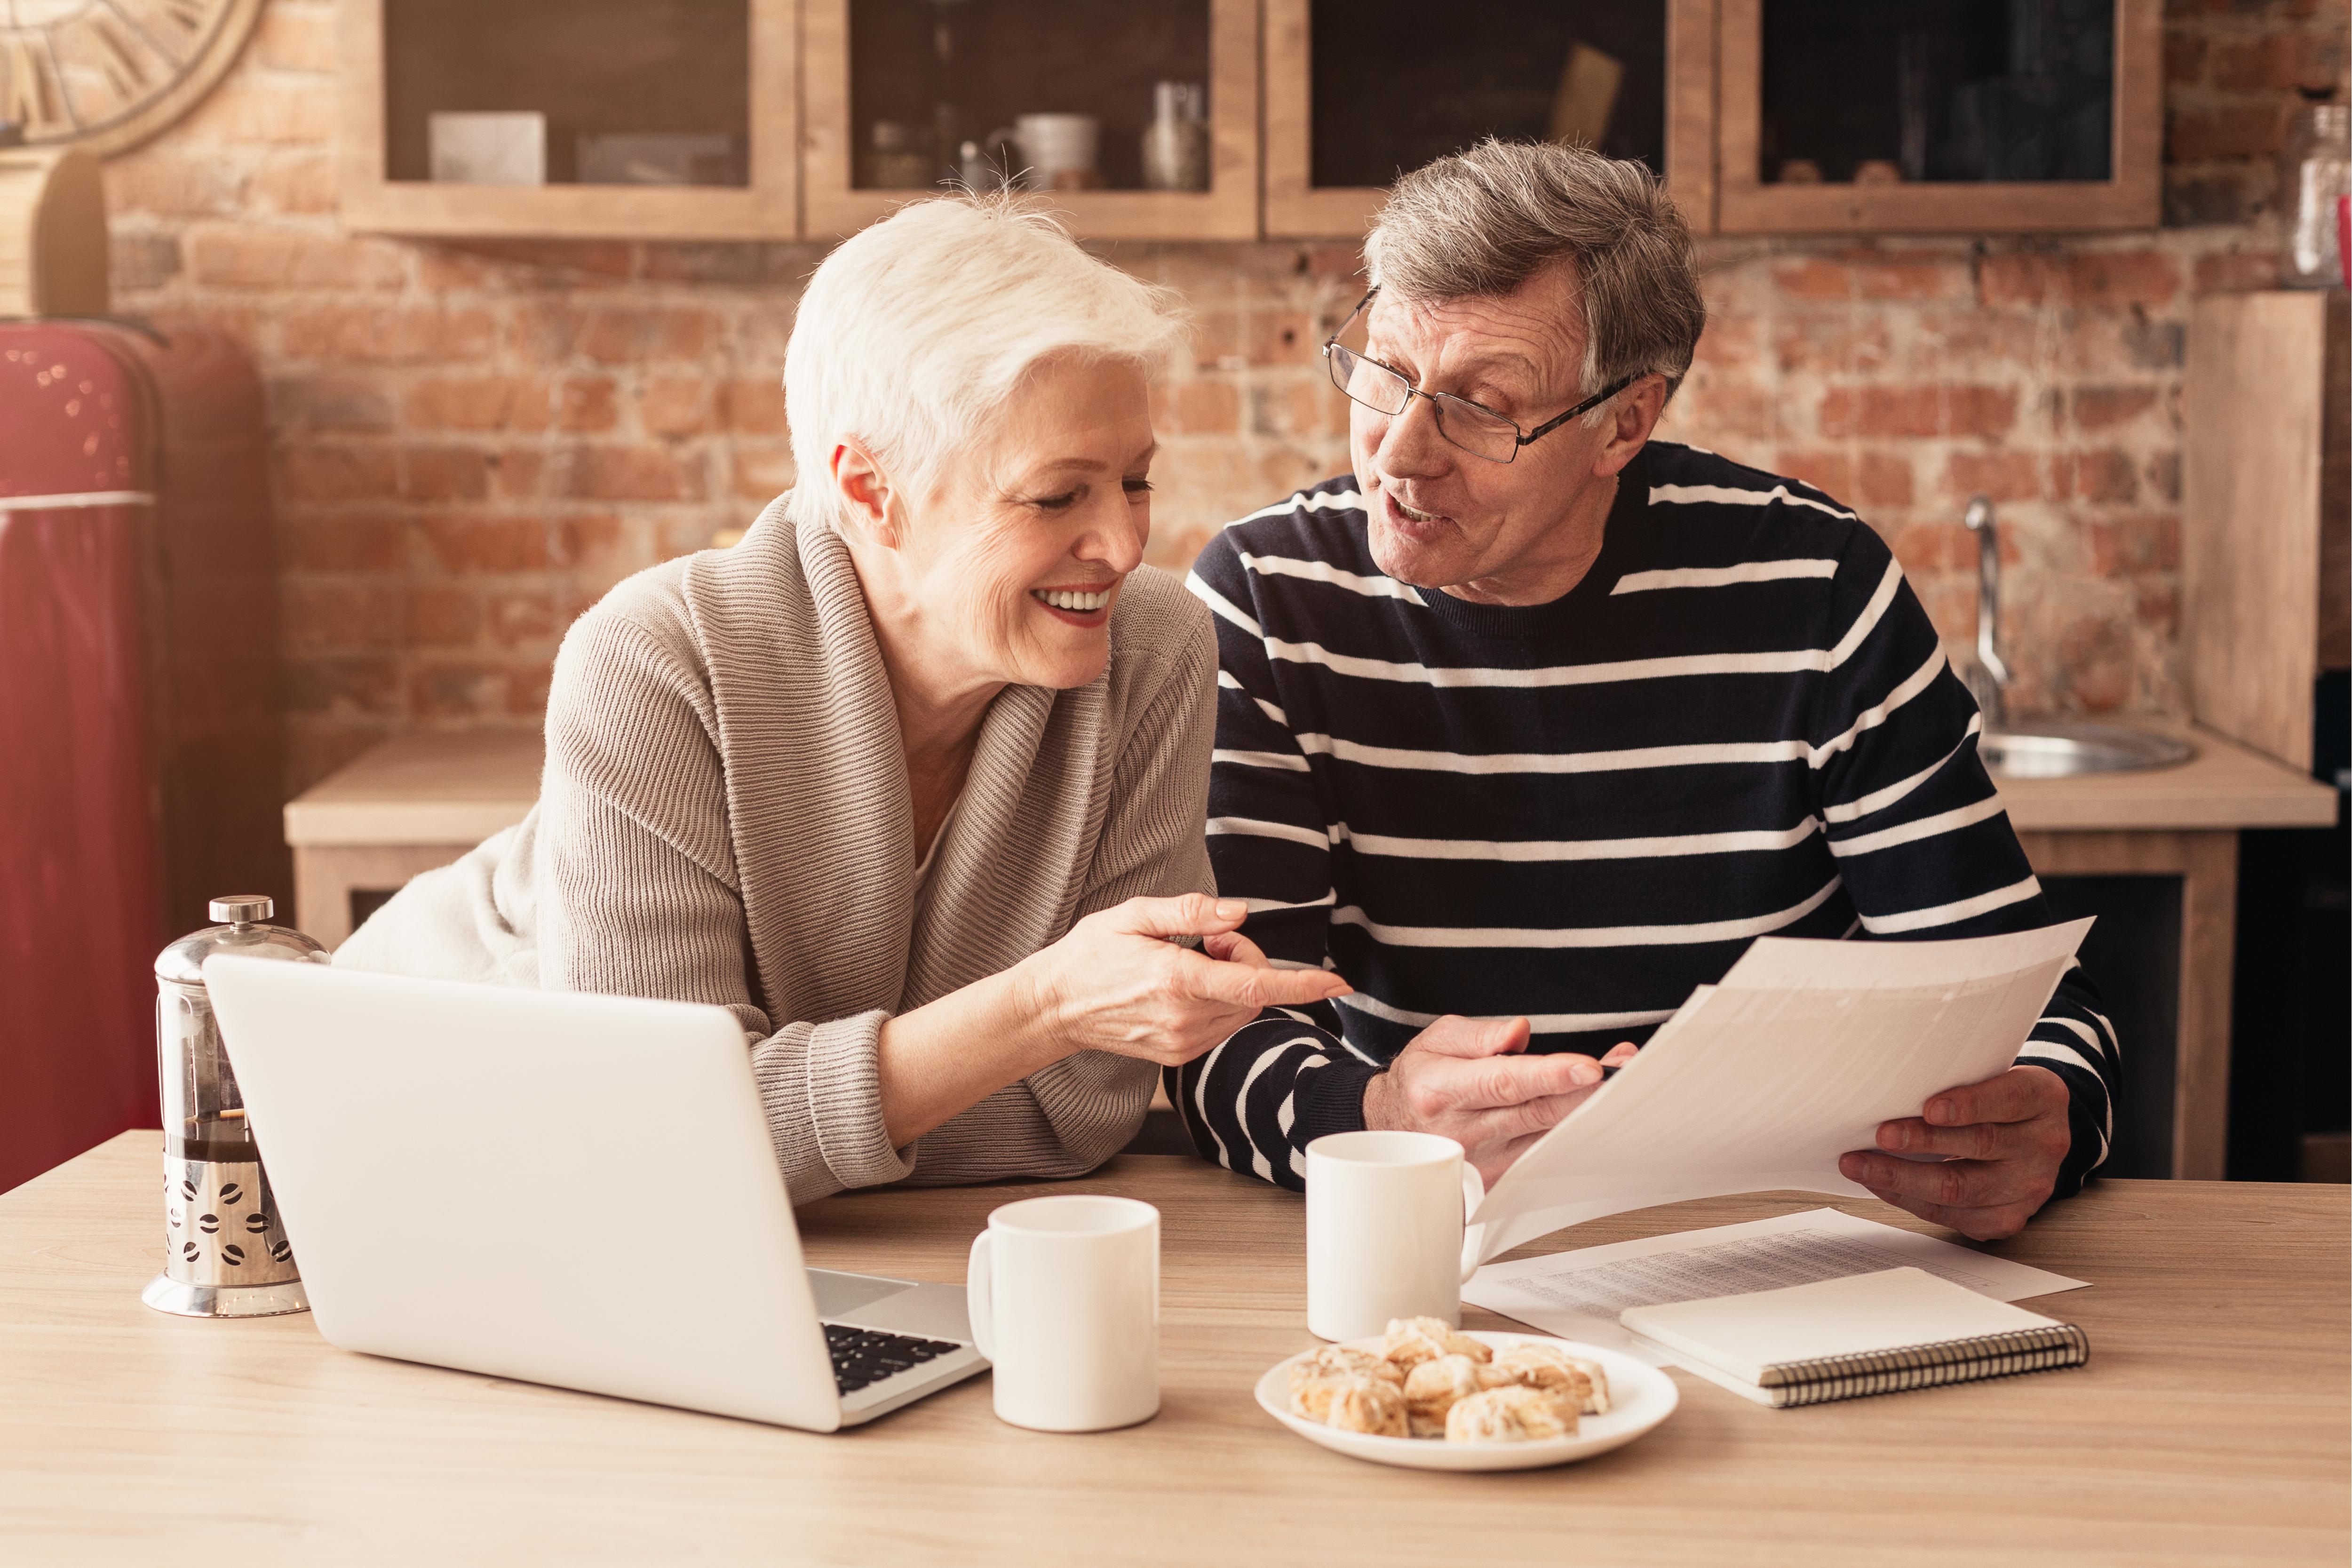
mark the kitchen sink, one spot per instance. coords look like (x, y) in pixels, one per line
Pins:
(2060, 748)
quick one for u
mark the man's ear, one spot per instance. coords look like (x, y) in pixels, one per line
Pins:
(1633, 419)
(865, 484)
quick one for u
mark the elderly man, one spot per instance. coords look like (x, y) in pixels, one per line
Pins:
(1531, 725)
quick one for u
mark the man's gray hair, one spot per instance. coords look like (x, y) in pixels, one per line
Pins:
(1479, 224)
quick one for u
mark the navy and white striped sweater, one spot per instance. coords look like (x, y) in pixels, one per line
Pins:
(1741, 723)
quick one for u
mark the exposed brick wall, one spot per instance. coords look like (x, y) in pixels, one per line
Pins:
(474, 441)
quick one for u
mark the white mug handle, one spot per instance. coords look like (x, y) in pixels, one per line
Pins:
(1474, 1193)
(978, 1302)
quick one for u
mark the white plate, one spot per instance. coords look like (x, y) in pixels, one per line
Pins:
(1640, 1397)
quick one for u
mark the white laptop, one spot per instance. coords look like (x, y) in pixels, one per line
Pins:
(563, 1189)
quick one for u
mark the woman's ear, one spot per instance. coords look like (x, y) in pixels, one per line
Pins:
(865, 485)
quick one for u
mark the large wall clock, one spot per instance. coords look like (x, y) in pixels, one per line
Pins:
(105, 75)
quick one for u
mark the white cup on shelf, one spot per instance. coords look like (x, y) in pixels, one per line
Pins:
(1065, 1300)
(1052, 143)
(1386, 1217)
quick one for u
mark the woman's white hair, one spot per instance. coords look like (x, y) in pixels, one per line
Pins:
(916, 331)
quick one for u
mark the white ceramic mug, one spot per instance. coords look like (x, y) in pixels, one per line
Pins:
(1385, 1231)
(1064, 1298)
(1052, 143)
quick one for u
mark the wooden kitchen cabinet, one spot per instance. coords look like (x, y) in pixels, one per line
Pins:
(673, 121)
(2266, 511)
(1343, 115)
(2175, 832)
(868, 60)
(2043, 115)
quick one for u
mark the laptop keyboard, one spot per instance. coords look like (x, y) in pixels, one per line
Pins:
(863, 1356)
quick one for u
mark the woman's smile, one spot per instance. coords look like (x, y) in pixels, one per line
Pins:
(1078, 607)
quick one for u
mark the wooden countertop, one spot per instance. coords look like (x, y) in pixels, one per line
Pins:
(461, 788)
(2210, 1426)
(2224, 786)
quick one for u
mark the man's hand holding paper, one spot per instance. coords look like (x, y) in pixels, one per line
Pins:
(1471, 1080)
(1772, 1077)
(1981, 1158)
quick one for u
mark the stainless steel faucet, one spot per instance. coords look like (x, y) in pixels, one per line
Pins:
(1987, 677)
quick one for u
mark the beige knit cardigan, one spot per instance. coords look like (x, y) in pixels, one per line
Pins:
(725, 818)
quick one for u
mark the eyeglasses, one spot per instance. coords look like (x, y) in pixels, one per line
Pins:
(1480, 432)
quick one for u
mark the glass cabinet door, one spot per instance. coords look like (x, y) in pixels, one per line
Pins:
(638, 117)
(1923, 115)
(1360, 91)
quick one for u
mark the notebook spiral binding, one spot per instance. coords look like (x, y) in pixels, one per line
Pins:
(1826, 1378)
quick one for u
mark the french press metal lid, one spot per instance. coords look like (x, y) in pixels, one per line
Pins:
(226, 1252)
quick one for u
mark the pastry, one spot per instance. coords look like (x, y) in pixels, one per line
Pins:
(1540, 1365)
(1353, 1405)
(1511, 1414)
(1343, 1361)
(1432, 1388)
(1411, 1341)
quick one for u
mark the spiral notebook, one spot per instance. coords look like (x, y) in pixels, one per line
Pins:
(1843, 1338)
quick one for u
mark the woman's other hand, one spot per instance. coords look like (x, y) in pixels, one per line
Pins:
(1118, 981)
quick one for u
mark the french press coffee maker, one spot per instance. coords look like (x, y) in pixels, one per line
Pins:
(225, 1249)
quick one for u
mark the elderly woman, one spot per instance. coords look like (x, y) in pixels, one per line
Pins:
(912, 779)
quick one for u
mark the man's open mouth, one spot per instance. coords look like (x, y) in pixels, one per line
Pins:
(1410, 515)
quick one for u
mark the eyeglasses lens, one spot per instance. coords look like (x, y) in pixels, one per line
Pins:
(1381, 389)
(1373, 385)
(1474, 430)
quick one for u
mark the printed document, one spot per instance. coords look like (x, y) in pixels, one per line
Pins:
(1578, 1295)
(1762, 1081)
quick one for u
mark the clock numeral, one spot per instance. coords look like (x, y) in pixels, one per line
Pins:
(190, 14)
(126, 72)
(30, 93)
(183, 24)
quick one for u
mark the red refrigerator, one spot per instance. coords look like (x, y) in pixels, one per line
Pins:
(140, 759)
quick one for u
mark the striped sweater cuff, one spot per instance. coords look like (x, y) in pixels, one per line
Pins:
(1330, 1100)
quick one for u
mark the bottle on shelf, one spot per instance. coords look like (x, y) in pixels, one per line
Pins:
(1176, 142)
(2315, 175)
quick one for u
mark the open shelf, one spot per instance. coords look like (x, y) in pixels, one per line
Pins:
(2039, 114)
(1630, 78)
(653, 117)
(869, 60)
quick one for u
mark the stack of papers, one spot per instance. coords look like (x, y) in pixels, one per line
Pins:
(1582, 1295)
(1760, 1082)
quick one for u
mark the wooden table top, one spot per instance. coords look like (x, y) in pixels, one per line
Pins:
(2210, 1428)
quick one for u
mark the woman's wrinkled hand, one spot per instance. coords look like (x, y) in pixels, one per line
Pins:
(1118, 983)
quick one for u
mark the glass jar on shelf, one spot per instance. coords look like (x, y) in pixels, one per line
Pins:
(897, 162)
(1176, 140)
(2316, 175)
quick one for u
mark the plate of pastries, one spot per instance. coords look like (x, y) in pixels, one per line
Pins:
(1433, 1397)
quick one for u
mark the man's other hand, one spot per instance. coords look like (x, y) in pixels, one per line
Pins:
(2002, 1140)
(1472, 1082)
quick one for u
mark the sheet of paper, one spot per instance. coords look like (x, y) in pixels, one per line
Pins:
(1794, 1057)
(1578, 1295)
